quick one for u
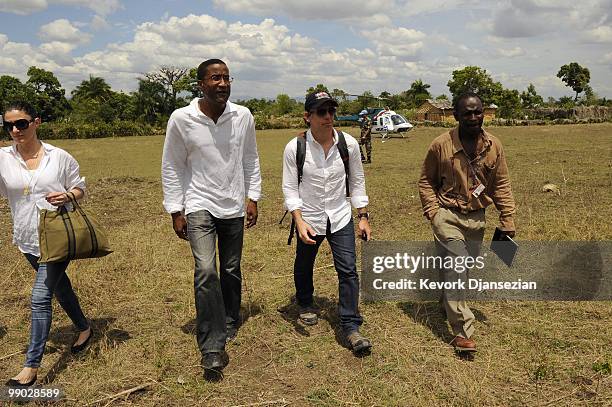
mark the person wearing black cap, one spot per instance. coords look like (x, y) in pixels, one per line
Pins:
(320, 209)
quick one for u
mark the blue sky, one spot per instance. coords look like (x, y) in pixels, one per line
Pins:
(286, 46)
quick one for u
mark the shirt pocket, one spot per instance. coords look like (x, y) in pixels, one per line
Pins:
(488, 168)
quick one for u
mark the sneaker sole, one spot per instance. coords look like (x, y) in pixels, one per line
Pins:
(362, 347)
(309, 322)
(462, 349)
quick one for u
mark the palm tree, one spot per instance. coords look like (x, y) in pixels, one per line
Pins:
(95, 88)
(418, 87)
(417, 93)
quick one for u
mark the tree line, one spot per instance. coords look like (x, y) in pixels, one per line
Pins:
(161, 91)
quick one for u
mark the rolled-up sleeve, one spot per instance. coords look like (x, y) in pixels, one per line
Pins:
(359, 197)
(290, 181)
(250, 163)
(174, 162)
(73, 178)
(502, 195)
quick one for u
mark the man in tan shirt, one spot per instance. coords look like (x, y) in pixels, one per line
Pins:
(464, 171)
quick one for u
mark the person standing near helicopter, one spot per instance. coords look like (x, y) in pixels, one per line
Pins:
(365, 141)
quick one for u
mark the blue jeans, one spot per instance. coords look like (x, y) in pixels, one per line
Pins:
(342, 243)
(217, 296)
(51, 278)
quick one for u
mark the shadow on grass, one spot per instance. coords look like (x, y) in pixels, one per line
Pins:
(62, 338)
(247, 311)
(432, 316)
(327, 310)
(2, 332)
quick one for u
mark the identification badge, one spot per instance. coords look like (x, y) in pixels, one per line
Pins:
(478, 190)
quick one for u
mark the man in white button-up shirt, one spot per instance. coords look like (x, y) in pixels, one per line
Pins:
(320, 210)
(209, 166)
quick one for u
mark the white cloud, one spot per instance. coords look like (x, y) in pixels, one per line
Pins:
(59, 52)
(510, 53)
(99, 23)
(308, 10)
(22, 7)
(399, 42)
(601, 34)
(268, 58)
(102, 7)
(63, 30)
(530, 18)
(25, 7)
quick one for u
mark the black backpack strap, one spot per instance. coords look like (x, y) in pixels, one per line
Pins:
(344, 154)
(300, 158)
(300, 155)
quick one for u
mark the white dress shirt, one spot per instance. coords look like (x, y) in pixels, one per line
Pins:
(58, 171)
(322, 193)
(208, 165)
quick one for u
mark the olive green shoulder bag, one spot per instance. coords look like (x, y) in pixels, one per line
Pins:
(66, 235)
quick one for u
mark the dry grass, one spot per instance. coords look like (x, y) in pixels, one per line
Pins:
(141, 301)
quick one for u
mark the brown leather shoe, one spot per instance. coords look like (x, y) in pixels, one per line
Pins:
(463, 344)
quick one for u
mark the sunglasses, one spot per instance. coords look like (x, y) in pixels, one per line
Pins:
(21, 124)
(321, 112)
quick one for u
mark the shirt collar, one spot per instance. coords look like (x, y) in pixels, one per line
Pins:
(45, 146)
(457, 146)
(194, 110)
(311, 139)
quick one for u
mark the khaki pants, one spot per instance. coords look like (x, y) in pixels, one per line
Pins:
(458, 234)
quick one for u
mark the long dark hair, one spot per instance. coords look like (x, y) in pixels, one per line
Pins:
(23, 106)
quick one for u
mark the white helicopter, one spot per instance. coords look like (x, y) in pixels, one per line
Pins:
(384, 121)
(387, 121)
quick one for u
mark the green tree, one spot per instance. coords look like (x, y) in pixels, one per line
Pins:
(509, 104)
(575, 76)
(150, 101)
(477, 80)
(51, 97)
(11, 89)
(318, 88)
(339, 95)
(566, 102)
(366, 99)
(417, 94)
(255, 105)
(93, 88)
(170, 77)
(530, 98)
(123, 106)
(284, 104)
(189, 83)
(589, 98)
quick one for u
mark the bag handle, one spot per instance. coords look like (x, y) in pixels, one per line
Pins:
(92, 232)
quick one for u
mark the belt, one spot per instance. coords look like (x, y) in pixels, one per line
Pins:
(463, 211)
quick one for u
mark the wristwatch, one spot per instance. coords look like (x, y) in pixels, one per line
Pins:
(363, 215)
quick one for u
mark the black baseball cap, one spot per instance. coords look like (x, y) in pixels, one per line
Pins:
(316, 99)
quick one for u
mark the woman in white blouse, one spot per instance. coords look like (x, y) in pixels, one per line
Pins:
(36, 175)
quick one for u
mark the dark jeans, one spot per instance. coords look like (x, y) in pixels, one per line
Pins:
(342, 244)
(51, 278)
(217, 296)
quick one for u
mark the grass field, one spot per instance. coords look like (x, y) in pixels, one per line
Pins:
(141, 297)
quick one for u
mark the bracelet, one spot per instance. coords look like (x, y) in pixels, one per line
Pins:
(363, 215)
